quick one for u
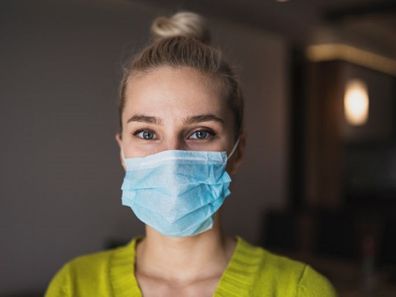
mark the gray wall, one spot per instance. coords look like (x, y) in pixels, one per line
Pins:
(59, 169)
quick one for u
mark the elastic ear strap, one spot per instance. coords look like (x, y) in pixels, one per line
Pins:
(233, 148)
(122, 155)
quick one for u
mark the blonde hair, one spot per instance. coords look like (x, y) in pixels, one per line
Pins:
(183, 23)
(182, 40)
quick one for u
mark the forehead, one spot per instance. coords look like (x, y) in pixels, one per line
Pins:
(180, 90)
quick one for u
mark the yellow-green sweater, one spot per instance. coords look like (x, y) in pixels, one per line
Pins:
(252, 271)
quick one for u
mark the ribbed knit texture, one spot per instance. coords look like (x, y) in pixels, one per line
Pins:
(122, 271)
(252, 271)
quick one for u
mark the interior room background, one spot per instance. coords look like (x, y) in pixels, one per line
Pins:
(60, 173)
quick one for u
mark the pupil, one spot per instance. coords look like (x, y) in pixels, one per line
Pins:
(201, 134)
(147, 135)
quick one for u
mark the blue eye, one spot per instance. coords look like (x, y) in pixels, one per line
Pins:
(145, 134)
(201, 134)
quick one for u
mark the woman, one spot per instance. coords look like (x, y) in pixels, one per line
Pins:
(181, 137)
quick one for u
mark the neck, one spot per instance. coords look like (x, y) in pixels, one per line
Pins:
(183, 259)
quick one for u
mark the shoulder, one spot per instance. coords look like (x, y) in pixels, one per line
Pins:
(284, 276)
(85, 275)
(90, 265)
(313, 284)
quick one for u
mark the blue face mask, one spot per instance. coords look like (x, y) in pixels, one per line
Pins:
(177, 192)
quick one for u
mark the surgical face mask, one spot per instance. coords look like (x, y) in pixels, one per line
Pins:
(177, 192)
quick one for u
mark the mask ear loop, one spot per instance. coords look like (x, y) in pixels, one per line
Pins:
(123, 157)
(233, 148)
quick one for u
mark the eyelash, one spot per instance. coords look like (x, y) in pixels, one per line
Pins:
(143, 131)
(210, 134)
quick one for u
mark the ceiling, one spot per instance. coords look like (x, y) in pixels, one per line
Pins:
(368, 23)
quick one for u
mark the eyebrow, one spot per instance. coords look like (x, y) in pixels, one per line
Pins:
(203, 118)
(144, 119)
(189, 120)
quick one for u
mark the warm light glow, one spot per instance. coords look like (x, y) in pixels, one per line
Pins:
(356, 102)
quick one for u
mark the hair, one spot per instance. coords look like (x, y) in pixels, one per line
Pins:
(183, 40)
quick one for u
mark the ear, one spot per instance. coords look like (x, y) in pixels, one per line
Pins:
(119, 142)
(236, 159)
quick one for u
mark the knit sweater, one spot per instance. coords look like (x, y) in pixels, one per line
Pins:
(252, 271)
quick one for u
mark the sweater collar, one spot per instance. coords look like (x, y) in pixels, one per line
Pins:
(236, 280)
(122, 271)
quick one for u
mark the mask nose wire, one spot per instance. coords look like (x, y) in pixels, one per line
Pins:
(233, 149)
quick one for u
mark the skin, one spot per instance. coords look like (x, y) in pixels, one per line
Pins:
(161, 113)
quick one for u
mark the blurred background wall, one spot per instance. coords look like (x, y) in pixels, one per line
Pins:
(311, 186)
(60, 172)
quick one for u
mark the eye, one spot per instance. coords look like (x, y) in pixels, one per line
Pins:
(145, 134)
(202, 134)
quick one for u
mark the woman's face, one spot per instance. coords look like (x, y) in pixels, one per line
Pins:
(175, 109)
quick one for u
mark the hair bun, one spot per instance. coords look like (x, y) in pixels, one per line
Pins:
(184, 23)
